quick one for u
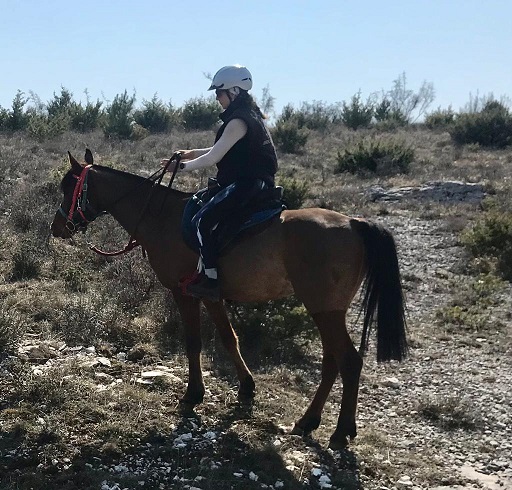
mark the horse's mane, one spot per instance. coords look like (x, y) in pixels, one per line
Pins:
(137, 179)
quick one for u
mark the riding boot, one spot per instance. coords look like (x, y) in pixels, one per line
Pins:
(205, 288)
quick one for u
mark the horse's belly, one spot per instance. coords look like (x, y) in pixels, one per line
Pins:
(254, 270)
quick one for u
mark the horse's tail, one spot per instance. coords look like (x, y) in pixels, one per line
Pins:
(383, 299)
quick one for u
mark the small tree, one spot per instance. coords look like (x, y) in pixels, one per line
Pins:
(357, 114)
(402, 105)
(267, 102)
(154, 115)
(17, 118)
(119, 116)
(200, 113)
(86, 118)
(60, 105)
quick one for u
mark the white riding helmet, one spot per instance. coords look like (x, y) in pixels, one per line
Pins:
(232, 76)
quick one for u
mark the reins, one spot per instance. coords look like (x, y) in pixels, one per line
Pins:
(132, 242)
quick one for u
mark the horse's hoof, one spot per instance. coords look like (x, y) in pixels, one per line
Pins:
(298, 431)
(338, 443)
(186, 408)
(306, 425)
(191, 401)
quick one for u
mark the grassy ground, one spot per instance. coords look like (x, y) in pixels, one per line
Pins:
(92, 363)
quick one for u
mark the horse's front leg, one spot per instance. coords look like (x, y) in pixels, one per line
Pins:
(219, 316)
(189, 309)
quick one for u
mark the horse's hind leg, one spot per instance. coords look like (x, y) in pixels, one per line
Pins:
(340, 356)
(218, 314)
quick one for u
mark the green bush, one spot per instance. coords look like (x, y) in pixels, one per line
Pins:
(42, 128)
(315, 115)
(85, 118)
(492, 126)
(267, 326)
(119, 116)
(154, 116)
(385, 157)
(357, 114)
(388, 115)
(200, 113)
(289, 137)
(491, 237)
(440, 118)
(294, 192)
(17, 118)
(60, 106)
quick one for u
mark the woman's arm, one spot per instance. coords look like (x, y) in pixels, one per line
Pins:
(206, 157)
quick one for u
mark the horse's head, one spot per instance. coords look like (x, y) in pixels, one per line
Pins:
(75, 211)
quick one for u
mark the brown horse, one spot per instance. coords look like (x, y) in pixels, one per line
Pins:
(321, 256)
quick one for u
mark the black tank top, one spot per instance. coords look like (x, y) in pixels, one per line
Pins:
(252, 157)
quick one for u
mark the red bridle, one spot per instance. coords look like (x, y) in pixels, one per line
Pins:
(79, 204)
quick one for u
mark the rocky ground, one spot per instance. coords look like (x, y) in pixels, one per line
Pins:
(439, 420)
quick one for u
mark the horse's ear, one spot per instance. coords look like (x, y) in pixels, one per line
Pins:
(88, 157)
(75, 166)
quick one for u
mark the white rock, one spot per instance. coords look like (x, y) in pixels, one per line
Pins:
(391, 382)
(253, 476)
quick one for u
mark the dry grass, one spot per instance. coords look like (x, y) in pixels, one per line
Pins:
(69, 422)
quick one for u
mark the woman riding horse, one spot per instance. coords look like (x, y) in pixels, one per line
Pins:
(246, 160)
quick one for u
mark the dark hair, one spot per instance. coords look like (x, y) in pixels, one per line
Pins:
(244, 98)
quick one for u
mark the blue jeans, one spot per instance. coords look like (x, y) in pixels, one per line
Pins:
(221, 209)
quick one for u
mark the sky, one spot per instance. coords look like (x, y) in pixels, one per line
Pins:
(302, 51)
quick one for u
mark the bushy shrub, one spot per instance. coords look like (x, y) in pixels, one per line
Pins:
(154, 116)
(492, 126)
(17, 118)
(75, 279)
(289, 137)
(200, 113)
(357, 114)
(315, 115)
(4, 116)
(389, 116)
(119, 116)
(294, 192)
(60, 106)
(86, 118)
(268, 325)
(440, 118)
(385, 157)
(491, 237)
(25, 263)
(42, 128)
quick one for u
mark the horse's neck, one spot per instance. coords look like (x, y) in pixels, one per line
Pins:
(138, 206)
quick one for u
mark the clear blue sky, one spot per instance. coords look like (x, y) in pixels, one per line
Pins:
(319, 50)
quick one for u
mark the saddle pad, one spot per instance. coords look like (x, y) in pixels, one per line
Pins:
(225, 234)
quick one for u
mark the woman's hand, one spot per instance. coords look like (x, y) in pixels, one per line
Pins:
(184, 155)
(169, 167)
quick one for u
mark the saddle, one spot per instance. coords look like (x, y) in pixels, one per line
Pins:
(256, 215)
